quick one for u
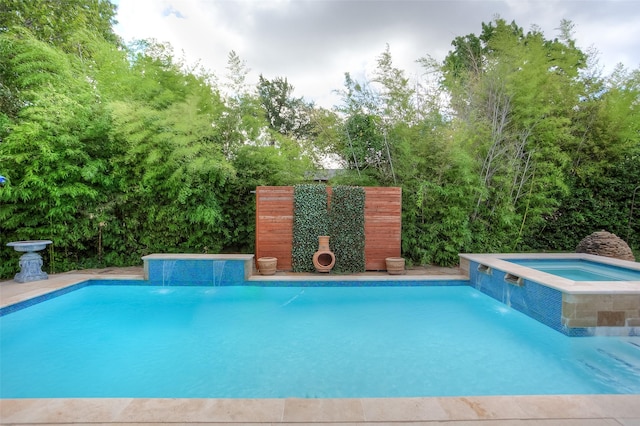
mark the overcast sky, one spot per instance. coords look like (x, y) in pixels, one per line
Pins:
(314, 42)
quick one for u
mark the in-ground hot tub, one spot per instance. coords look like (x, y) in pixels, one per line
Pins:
(580, 269)
(574, 293)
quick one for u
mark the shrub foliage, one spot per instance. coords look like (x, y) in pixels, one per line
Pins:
(346, 228)
(514, 142)
(310, 220)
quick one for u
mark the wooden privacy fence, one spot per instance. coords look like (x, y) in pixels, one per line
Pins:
(382, 224)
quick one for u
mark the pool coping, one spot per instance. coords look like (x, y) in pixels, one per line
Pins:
(503, 410)
(506, 410)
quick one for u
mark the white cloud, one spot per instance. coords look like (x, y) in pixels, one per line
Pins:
(314, 42)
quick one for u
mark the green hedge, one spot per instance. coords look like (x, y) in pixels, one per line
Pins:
(343, 222)
(310, 220)
(346, 228)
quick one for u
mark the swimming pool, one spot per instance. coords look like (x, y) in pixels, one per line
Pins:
(288, 341)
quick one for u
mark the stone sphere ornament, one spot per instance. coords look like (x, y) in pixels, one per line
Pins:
(603, 243)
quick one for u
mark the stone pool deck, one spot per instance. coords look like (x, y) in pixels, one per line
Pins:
(548, 410)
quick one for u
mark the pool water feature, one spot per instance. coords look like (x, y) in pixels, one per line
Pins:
(288, 341)
(572, 301)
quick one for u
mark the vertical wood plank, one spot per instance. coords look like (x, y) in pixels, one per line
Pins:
(274, 224)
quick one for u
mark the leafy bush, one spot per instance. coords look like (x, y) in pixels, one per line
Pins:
(310, 220)
(346, 228)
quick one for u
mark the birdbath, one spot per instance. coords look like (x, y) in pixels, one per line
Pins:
(30, 261)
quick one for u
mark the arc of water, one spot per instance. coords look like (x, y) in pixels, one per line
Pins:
(218, 271)
(167, 271)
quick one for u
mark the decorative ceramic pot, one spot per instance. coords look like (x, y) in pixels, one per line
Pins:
(324, 259)
(395, 265)
(267, 265)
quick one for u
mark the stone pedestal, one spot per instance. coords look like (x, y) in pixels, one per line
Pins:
(30, 262)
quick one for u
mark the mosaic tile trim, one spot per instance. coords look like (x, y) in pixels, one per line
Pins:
(541, 303)
(56, 293)
(42, 298)
(363, 283)
(195, 272)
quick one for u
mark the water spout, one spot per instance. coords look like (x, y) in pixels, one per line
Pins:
(167, 271)
(218, 271)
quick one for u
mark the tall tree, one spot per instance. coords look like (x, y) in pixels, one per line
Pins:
(378, 112)
(53, 148)
(57, 22)
(513, 94)
(604, 171)
(396, 95)
(243, 122)
(172, 152)
(236, 77)
(285, 113)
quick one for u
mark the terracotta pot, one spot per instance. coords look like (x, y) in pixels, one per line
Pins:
(323, 259)
(267, 265)
(395, 265)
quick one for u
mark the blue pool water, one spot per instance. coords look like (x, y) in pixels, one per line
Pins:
(274, 342)
(579, 269)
